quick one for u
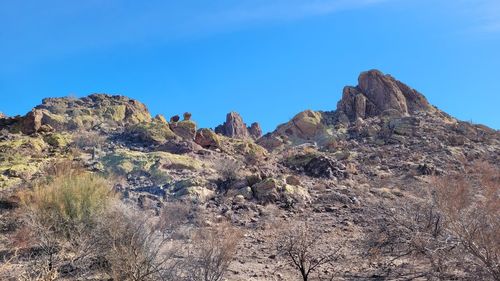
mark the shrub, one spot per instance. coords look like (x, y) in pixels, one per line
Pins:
(214, 250)
(134, 249)
(470, 203)
(68, 200)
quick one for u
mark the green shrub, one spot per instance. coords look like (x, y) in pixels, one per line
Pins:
(68, 201)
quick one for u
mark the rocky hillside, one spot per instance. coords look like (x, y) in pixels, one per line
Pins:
(341, 169)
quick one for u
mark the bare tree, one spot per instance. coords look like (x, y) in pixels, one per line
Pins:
(213, 252)
(135, 250)
(470, 202)
(306, 249)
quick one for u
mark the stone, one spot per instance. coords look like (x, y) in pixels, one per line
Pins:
(255, 131)
(207, 138)
(174, 119)
(404, 126)
(160, 119)
(2, 116)
(32, 122)
(234, 127)
(186, 129)
(97, 111)
(324, 167)
(178, 146)
(187, 116)
(377, 93)
(293, 180)
(57, 140)
(150, 132)
(266, 190)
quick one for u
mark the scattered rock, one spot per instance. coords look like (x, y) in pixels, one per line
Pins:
(324, 167)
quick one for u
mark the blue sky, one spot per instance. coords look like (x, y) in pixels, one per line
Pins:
(267, 59)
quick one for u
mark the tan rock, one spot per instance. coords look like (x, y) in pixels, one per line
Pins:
(207, 138)
(377, 93)
(184, 129)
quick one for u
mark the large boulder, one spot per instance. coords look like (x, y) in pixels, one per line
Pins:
(207, 138)
(377, 93)
(186, 129)
(266, 190)
(306, 126)
(150, 132)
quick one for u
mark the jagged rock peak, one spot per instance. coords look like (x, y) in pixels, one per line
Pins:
(255, 130)
(378, 94)
(2, 115)
(234, 127)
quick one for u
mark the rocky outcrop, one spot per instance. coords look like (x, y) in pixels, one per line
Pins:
(255, 131)
(307, 126)
(186, 129)
(149, 133)
(2, 116)
(70, 114)
(206, 138)
(378, 94)
(234, 127)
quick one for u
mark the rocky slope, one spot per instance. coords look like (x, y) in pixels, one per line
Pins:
(380, 146)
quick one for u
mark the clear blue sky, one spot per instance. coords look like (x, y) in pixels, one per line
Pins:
(267, 59)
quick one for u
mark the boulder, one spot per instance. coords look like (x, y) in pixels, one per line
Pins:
(266, 190)
(186, 129)
(32, 122)
(174, 119)
(187, 116)
(57, 140)
(207, 138)
(149, 132)
(160, 119)
(324, 167)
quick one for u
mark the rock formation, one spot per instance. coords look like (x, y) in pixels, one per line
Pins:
(99, 110)
(376, 94)
(234, 127)
(255, 131)
(206, 138)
